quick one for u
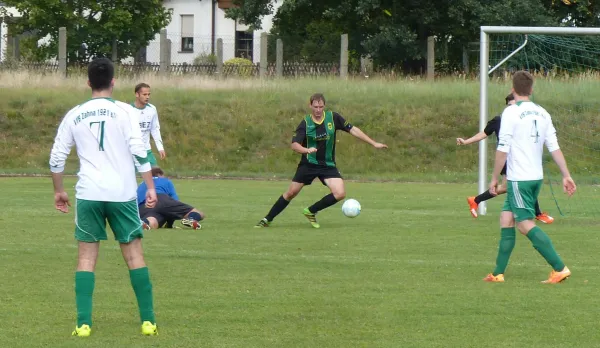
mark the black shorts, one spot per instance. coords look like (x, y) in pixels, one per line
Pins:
(306, 173)
(166, 209)
(503, 171)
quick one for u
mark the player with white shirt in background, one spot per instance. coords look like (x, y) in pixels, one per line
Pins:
(108, 139)
(149, 124)
(526, 127)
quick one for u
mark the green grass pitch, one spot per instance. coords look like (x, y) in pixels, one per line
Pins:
(405, 273)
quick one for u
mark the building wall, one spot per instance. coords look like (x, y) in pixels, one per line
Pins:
(4, 43)
(4, 33)
(225, 29)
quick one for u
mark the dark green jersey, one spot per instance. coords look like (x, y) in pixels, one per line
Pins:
(320, 136)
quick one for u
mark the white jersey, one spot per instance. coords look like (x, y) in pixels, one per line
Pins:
(106, 134)
(524, 129)
(148, 117)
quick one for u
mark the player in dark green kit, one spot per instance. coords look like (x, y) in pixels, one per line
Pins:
(315, 140)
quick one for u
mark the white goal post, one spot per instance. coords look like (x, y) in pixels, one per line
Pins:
(485, 70)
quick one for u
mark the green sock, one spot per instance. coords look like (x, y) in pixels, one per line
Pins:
(84, 288)
(542, 243)
(140, 281)
(505, 248)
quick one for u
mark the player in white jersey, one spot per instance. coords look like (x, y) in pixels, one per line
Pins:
(526, 127)
(106, 135)
(149, 124)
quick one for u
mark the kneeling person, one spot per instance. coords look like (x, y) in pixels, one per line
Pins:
(169, 209)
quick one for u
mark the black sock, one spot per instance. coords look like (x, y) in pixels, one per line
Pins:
(325, 202)
(484, 197)
(195, 216)
(537, 208)
(277, 208)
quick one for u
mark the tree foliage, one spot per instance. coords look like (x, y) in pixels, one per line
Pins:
(133, 23)
(250, 12)
(395, 31)
(577, 13)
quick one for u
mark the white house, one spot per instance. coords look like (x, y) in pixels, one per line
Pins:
(194, 29)
(4, 30)
(4, 38)
(197, 24)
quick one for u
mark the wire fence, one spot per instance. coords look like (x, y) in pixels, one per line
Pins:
(289, 69)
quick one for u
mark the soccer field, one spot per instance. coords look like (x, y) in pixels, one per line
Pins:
(405, 273)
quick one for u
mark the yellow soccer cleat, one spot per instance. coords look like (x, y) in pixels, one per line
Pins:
(312, 218)
(494, 279)
(557, 277)
(84, 331)
(149, 329)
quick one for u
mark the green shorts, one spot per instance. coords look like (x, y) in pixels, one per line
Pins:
(521, 197)
(123, 219)
(151, 158)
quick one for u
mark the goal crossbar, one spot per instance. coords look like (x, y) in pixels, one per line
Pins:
(484, 66)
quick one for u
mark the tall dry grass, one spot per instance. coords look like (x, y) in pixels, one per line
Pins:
(24, 79)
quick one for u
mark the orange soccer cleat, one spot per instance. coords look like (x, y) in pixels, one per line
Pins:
(545, 218)
(557, 277)
(494, 279)
(472, 206)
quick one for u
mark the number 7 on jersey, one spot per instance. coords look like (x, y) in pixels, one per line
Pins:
(99, 134)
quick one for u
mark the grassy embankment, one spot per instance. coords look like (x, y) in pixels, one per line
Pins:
(243, 128)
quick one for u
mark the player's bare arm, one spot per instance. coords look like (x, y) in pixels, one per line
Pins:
(498, 164)
(474, 139)
(151, 191)
(155, 132)
(301, 149)
(61, 199)
(151, 197)
(569, 186)
(63, 143)
(355, 131)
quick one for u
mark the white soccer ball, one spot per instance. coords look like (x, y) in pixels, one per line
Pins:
(351, 208)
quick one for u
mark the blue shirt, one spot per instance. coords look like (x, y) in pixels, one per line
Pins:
(162, 185)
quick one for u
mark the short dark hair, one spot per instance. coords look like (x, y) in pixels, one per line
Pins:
(317, 97)
(140, 86)
(100, 73)
(509, 97)
(523, 83)
(156, 171)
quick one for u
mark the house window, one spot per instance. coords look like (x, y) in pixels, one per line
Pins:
(187, 33)
(244, 44)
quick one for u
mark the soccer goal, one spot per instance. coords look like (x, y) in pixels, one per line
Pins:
(566, 64)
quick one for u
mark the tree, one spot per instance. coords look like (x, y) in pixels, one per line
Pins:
(396, 31)
(576, 13)
(97, 24)
(250, 12)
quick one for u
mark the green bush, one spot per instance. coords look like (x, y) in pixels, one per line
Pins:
(205, 59)
(239, 67)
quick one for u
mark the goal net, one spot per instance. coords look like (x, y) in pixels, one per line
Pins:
(566, 65)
